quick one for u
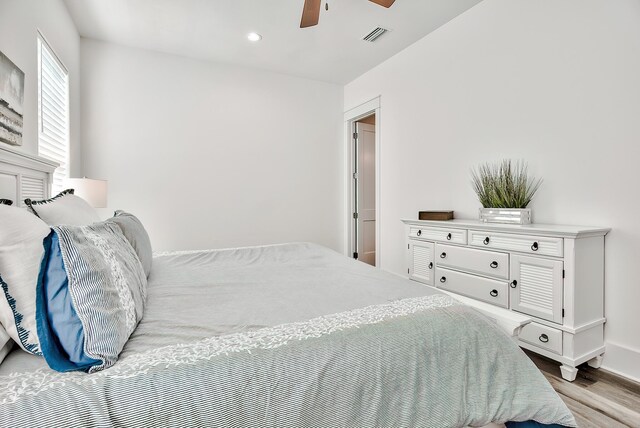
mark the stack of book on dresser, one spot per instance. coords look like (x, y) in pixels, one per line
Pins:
(435, 215)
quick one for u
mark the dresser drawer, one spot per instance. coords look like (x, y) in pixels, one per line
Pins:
(542, 336)
(489, 263)
(456, 236)
(488, 290)
(523, 243)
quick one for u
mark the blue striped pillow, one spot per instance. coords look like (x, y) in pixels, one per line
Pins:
(90, 296)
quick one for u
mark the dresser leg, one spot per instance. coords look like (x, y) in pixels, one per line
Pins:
(568, 373)
(596, 362)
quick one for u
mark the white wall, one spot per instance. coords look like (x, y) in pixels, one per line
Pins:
(211, 155)
(19, 23)
(556, 83)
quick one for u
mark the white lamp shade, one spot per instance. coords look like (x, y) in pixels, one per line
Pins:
(92, 191)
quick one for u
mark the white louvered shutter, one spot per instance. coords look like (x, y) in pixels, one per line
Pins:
(53, 112)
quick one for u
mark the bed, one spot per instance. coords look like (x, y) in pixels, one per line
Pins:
(290, 335)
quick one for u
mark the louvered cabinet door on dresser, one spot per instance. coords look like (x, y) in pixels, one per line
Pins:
(536, 287)
(551, 276)
(421, 261)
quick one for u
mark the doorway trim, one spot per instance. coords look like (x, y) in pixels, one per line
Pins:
(350, 117)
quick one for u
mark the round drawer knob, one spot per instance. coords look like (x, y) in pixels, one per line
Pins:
(448, 237)
(494, 293)
(486, 241)
(494, 265)
(513, 284)
(543, 338)
(443, 279)
(443, 255)
(419, 232)
(431, 265)
(534, 246)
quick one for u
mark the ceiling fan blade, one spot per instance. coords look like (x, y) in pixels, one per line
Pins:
(385, 3)
(310, 13)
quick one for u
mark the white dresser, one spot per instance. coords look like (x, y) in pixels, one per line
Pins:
(552, 274)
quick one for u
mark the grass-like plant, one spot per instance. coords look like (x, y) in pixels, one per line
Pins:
(504, 184)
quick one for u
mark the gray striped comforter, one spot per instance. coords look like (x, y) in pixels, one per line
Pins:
(241, 338)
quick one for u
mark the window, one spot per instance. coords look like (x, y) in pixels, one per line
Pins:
(53, 111)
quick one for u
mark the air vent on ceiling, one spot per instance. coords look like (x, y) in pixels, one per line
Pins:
(373, 35)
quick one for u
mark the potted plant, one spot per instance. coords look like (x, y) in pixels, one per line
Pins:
(504, 189)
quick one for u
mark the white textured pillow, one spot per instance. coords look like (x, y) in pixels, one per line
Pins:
(21, 253)
(5, 344)
(64, 208)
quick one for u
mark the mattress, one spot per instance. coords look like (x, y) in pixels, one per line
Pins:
(263, 336)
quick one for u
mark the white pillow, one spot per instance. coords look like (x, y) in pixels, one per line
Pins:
(5, 344)
(21, 254)
(64, 208)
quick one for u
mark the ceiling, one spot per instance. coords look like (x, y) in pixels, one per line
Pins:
(216, 30)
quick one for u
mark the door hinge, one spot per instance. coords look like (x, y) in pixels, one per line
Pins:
(408, 269)
(355, 216)
(355, 256)
(355, 135)
(355, 175)
(407, 246)
(562, 312)
(563, 273)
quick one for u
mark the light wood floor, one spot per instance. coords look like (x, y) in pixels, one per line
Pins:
(597, 398)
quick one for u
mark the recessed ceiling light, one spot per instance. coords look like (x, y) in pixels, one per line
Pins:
(254, 37)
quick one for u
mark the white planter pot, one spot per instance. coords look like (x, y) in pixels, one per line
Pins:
(506, 215)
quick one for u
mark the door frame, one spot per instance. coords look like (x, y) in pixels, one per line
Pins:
(350, 117)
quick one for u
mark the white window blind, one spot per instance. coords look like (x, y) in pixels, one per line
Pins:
(53, 112)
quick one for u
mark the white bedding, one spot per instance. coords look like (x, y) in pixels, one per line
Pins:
(193, 295)
(242, 337)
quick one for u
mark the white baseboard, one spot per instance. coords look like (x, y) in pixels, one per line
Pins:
(622, 361)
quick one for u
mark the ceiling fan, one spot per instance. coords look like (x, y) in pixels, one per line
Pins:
(311, 11)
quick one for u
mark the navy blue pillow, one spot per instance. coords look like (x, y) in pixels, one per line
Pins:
(59, 328)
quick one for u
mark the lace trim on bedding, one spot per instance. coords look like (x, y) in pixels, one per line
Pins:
(17, 385)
